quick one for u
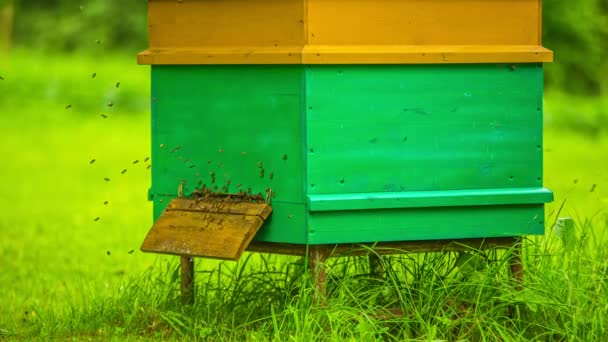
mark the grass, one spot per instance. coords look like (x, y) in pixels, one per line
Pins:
(58, 280)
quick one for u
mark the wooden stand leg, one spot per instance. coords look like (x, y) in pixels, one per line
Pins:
(187, 279)
(516, 266)
(317, 257)
(375, 265)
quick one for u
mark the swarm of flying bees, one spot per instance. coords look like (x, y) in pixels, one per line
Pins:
(206, 188)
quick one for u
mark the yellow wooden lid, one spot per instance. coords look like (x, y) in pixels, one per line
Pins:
(344, 31)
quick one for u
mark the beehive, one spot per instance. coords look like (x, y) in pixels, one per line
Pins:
(371, 121)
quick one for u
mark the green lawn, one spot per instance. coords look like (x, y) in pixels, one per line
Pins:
(65, 275)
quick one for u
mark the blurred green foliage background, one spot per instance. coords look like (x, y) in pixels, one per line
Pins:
(578, 30)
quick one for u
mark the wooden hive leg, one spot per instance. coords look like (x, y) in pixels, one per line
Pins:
(376, 267)
(515, 264)
(317, 258)
(187, 279)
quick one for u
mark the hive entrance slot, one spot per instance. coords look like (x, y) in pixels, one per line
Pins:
(212, 226)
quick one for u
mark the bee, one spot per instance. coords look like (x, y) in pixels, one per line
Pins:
(261, 173)
(106, 179)
(68, 106)
(146, 159)
(110, 104)
(284, 156)
(271, 175)
(96, 219)
(131, 251)
(148, 167)
(92, 161)
(221, 150)
(1, 78)
(94, 74)
(260, 165)
(162, 145)
(108, 252)
(135, 161)
(209, 162)
(243, 153)
(123, 172)
(238, 186)
(117, 84)
(227, 181)
(593, 188)
(104, 116)
(192, 166)
(98, 41)
(106, 203)
(290, 216)
(512, 67)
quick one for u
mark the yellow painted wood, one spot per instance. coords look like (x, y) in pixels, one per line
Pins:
(435, 54)
(207, 23)
(423, 22)
(344, 32)
(223, 55)
(359, 54)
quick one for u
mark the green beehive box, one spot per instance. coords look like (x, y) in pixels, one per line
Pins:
(401, 149)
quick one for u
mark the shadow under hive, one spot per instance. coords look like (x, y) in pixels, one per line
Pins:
(409, 124)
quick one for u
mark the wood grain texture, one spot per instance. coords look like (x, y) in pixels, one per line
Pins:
(423, 128)
(417, 224)
(423, 22)
(424, 54)
(196, 23)
(344, 131)
(425, 199)
(222, 55)
(262, 210)
(218, 124)
(344, 32)
(349, 54)
(196, 231)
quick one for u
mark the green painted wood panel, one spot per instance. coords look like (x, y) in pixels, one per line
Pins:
(425, 223)
(335, 136)
(422, 199)
(400, 128)
(232, 121)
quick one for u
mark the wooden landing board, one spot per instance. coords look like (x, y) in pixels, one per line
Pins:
(206, 228)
